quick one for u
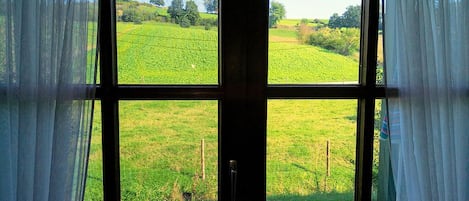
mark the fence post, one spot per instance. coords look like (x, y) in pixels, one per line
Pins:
(328, 155)
(202, 158)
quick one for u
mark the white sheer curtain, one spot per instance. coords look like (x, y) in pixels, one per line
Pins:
(427, 61)
(47, 56)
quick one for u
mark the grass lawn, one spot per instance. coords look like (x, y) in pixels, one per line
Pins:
(297, 135)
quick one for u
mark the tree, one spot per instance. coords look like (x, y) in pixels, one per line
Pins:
(276, 13)
(350, 18)
(211, 6)
(191, 12)
(157, 2)
(215, 6)
(176, 10)
(335, 21)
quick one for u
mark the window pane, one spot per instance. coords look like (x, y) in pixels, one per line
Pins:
(383, 184)
(94, 180)
(315, 42)
(300, 134)
(380, 62)
(154, 48)
(161, 148)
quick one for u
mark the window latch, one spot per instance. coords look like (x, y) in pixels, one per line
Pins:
(233, 178)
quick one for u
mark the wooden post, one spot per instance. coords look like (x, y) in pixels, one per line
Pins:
(328, 170)
(325, 184)
(202, 158)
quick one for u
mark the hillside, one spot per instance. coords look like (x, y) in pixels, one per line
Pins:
(164, 53)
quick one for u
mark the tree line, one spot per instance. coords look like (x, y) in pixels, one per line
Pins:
(185, 14)
(340, 34)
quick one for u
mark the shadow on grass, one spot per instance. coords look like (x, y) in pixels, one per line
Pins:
(302, 167)
(329, 196)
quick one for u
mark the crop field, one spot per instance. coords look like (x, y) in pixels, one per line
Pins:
(291, 23)
(160, 141)
(166, 54)
(157, 53)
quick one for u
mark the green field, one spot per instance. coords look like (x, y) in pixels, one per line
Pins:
(159, 53)
(160, 140)
(165, 53)
(292, 23)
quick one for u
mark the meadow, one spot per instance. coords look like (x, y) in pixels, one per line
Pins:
(160, 140)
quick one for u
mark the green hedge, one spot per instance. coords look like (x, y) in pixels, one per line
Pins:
(344, 41)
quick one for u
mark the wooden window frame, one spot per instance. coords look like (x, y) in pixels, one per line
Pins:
(242, 93)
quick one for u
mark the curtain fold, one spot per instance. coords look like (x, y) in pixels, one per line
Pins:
(427, 61)
(47, 80)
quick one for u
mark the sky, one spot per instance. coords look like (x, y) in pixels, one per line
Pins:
(321, 9)
(297, 9)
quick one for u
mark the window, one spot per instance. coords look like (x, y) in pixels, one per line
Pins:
(244, 96)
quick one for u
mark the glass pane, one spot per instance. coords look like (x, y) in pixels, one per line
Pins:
(161, 150)
(94, 180)
(159, 45)
(383, 184)
(311, 149)
(314, 42)
(379, 67)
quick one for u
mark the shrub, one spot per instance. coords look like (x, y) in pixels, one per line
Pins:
(344, 41)
(208, 22)
(129, 15)
(184, 22)
(137, 20)
(303, 33)
(304, 21)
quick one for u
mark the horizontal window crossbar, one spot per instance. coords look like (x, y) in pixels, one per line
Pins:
(163, 92)
(214, 92)
(323, 92)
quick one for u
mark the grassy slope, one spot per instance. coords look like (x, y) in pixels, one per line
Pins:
(291, 62)
(287, 64)
(159, 139)
(296, 147)
(160, 149)
(166, 54)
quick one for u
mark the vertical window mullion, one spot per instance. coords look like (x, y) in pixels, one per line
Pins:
(109, 101)
(366, 104)
(231, 109)
(243, 106)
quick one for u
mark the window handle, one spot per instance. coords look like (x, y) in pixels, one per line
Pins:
(233, 178)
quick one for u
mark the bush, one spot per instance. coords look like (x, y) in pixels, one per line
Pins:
(136, 12)
(137, 20)
(344, 41)
(211, 22)
(129, 15)
(184, 22)
(303, 32)
(304, 21)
